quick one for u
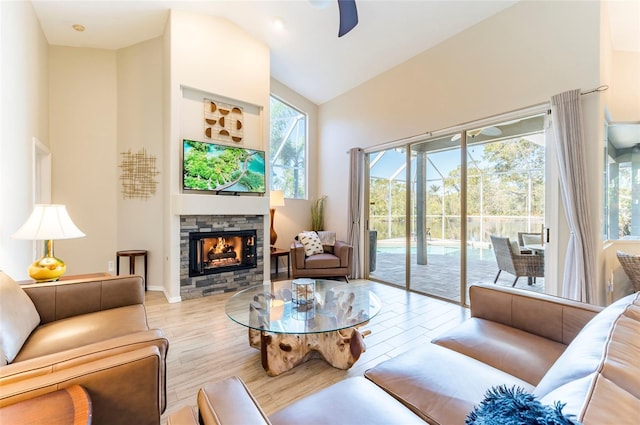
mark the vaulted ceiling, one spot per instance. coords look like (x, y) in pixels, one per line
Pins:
(306, 53)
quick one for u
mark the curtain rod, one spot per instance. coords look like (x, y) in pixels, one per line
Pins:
(479, 123)
(518, 113)
(598, 89)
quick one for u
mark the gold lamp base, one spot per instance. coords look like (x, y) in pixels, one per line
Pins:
(48, 268)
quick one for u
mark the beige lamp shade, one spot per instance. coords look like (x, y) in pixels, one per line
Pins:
(276, 198)
(48, 222)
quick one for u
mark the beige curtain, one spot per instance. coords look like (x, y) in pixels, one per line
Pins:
(356, 193)
(579, 273)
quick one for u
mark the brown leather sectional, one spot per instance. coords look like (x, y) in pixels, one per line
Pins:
(558, 349)
(93, 332)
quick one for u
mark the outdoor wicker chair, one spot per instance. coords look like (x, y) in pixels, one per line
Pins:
(631, 266)
(527, 238)
(515, 263)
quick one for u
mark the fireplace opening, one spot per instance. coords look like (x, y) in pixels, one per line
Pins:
(218, 252)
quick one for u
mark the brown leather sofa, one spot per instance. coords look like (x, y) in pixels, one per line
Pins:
(92, 332)
(558, 349)
(335, 261)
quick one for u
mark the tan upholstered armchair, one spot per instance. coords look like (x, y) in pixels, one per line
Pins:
(335, 261)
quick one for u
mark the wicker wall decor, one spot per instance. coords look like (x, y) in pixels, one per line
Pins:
(222, 121)
(138, 175)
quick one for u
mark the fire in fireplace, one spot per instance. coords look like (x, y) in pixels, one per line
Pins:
(218, 252)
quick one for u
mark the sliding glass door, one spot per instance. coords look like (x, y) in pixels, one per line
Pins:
(505, 204)
(387, 192)
(436, 232)
(438, 207)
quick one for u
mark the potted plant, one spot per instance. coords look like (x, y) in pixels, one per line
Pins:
(317, 213)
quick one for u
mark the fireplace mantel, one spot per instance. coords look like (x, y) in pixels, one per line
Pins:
(197, 204)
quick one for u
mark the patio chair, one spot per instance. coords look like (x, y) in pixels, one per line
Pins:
(512, 261)
(631, 266)
(529, 238)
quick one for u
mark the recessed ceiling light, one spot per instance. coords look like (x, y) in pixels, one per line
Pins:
(278, 24)
(78, 27)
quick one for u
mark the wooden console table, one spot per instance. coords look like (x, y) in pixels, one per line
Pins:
(68, 406)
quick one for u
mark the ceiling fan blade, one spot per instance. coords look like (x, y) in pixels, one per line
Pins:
(348, 16)
(491, 131)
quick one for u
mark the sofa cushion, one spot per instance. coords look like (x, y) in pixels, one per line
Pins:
(440, 385)
(586, 354)
(77, 331)
(351, 401)
(322, 261)
(602, 380)
(519, 353)
(311, 242)
(18, 317)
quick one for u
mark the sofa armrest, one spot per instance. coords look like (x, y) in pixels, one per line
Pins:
(229, 402)
(58, 300)
(343, 251)
(46, 364)
(43, 366)
(123, 388)
(297, 255)
(551, 317)
(187, 415)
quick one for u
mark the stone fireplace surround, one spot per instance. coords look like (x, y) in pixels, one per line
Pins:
(196, 287)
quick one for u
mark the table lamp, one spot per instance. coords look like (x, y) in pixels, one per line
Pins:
(47, 223)
(276, 199)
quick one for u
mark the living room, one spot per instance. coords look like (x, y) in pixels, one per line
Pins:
(86, 107)
(51, 88)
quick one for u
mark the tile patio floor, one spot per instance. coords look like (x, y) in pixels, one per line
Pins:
(441, 276)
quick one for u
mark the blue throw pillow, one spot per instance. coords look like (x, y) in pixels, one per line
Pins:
(515, 406)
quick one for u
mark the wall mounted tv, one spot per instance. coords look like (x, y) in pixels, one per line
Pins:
(221, 169)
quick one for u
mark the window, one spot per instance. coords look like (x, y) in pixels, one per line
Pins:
(288, 150)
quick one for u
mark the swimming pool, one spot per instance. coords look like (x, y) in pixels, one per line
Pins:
(473, 253)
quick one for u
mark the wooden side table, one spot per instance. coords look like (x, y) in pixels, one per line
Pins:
(68, 406)
(277, 253)
(132, 254)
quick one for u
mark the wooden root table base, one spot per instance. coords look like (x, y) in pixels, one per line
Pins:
(282, 352)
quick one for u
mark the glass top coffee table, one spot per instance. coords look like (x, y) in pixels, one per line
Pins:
(291, 322)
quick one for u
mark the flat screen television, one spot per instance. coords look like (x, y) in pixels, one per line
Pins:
(222, 169)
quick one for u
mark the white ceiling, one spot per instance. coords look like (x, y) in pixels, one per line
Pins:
(307, 54)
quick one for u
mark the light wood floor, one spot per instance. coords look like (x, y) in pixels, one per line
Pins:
(206, 346)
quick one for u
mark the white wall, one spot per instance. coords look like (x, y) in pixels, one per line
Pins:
(24, 115)
(295, 216)
(625, 86)
(140, 97)
(83, 139)
(517, 58)
(620, 71)
(214, 56)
